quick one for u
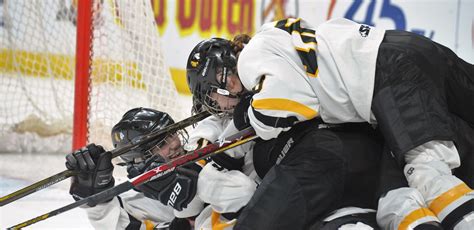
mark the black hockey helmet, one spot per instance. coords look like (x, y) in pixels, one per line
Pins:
(209, 58)
(136, 123)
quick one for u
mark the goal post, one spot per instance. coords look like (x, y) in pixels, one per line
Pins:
(81, 103)
(70, 69)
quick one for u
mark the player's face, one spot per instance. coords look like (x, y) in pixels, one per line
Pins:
(234, 86)
(169, 148)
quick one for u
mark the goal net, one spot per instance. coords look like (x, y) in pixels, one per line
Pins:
(38, 71)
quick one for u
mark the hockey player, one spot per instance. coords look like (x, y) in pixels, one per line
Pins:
(133, 209)
(408, 85)
(228, 190)
(221, 184)
(313, 179)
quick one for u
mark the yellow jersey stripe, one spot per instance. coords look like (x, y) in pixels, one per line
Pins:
(149, 225)
(291, 21)
(307, 49)
(201, 163)
(217, 224)
(442, 201)
(414, 216)
(285, 105)
(316, 74)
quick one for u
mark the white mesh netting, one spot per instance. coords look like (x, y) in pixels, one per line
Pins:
(37, 49)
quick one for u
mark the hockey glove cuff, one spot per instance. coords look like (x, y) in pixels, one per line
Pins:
(224, 162)
(240, 116)
(176, 189)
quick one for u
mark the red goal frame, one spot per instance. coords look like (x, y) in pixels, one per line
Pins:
(82, 77)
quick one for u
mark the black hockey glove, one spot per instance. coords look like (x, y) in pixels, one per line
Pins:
(136, 169)
(176, 189)
(95, 169)
(240, 116)
(180, 224)
(225, 162)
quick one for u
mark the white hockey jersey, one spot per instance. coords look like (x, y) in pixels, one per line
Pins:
(302, 73)
(129, 209)
(224, 191)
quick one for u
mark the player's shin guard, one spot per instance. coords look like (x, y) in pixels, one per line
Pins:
(455, 208)
(404, 209)
(449, 198)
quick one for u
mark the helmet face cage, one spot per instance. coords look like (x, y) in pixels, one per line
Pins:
(182, 135)
(141, 154)
(207, 60)
(197, 107)
(135, 156)
(211, 105)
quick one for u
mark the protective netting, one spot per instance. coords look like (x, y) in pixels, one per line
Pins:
(37, 53)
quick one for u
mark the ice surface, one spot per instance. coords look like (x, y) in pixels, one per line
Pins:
(20, 170)
(37, 204)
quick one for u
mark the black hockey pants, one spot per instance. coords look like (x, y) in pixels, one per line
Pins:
(419, 86)
(324, 170)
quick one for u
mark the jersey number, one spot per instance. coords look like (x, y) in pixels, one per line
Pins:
(307, 49)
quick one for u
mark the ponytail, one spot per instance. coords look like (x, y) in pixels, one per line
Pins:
(239, 42)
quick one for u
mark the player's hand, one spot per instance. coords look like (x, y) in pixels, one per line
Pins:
(224, 162)
(95, 169)
(240, 116)
(180, 224)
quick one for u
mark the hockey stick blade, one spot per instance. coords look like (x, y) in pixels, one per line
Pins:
(239, 138)
(115, 153)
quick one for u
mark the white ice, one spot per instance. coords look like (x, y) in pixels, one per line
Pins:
(20, 170)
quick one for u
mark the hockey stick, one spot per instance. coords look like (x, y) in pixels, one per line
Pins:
(239, 138)
(115, 153)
